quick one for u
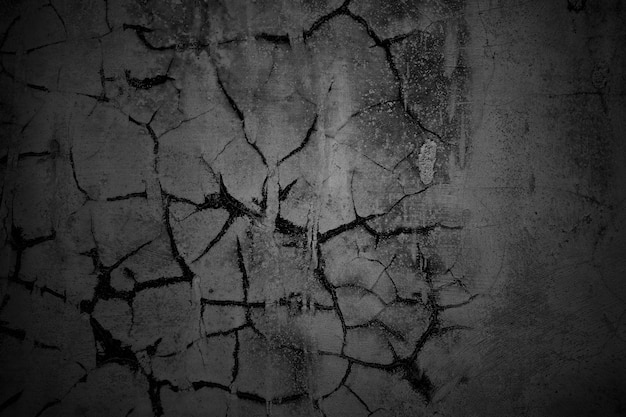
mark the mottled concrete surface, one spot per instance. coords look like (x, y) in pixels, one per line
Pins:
(312, 208)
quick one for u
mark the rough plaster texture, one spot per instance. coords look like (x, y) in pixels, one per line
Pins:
(312, 208)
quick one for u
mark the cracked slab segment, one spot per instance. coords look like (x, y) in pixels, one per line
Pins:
(343, 403)
(21, 37)
(236, 19)
(70, 67)
(117, 316)
(334, 196)
(296, 205)
(70, 229)
(321, 193)
(41, 374)
(195, 229)
(44, 130)
(273, 99)
(405, 324)
(397, 18)
(203, 115)
(123, 51)
(383, 132)
(268, 258)
(208, 359)
(369, 344)
(326, 372)
(192, 179)
(54, 266)
(243, 407)
(446, 246)
(424, 211)
(453, 294)
(208, 401)
(243, 172)
(219, 273)
(462, 315)
(381, 413)
(167, 313)
(383, 390)
(51, 322)
(195, 78)
(354, 79)
(37, 352)
(433, 76)
(352, 258)
(222, 318)
(108, 135)
(449, 374)
(280, 125)
(188, 29)
(33, 196)
(300, 328)
(151, 262)
(406, 321)
(145, 100)
(268, 371)
(121, 227)
(301, 406)
(347, 246)
(374, 188)
(243, 69)
(111, 387)
(358, 305)
(402, 256)
(83, 19)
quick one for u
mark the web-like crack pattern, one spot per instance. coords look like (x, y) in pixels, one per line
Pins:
(238, 206)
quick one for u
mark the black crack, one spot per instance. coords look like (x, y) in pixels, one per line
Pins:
(110, 349)
(46, 406)
(154, 393)
(11, 400)
(245, 281)
(146, 83)
(20, 244)
(276, 39)
(106, 16)
(235, 369)
(173, 245)
(8, 30)
(141, 194)
(343, 9)
(283, 193)
(305, 141)
(75, 177)
(240, 115)
(286, 227)
(141, 32)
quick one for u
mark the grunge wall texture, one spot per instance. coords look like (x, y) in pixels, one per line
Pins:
(312, 208)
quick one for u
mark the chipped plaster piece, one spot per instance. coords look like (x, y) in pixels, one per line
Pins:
(426, 161)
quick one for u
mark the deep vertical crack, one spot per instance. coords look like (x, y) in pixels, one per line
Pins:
(245, 282)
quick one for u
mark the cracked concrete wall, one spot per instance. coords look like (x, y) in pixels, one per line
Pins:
(312, 208)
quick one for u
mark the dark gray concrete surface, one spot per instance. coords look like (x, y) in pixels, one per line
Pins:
(312, 208)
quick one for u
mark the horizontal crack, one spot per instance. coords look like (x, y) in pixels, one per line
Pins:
(146, 83)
